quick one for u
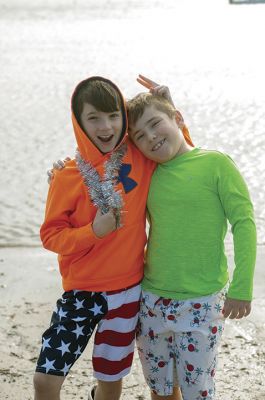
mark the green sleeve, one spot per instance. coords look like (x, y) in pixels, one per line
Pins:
(238, 208)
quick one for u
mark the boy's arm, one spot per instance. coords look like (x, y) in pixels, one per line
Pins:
(238, 208)
(58, 234)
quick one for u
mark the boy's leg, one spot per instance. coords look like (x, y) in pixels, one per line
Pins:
(108, 390)
(176, 395)
(47, 387)
(115, 341)
(72, 325)
(155, 342)
(197, 339)
(184, 334)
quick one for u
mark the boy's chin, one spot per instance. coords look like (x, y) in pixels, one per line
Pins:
(106, 148)
(160, 159)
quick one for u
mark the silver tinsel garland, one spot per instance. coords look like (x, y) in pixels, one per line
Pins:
(102, 190)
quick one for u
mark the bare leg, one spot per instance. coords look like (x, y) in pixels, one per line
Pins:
(108, 390)
(175, 396)
(47, 387)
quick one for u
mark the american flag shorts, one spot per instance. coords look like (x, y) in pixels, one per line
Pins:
(78, 313)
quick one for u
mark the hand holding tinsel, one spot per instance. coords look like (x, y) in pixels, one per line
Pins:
(104, 224)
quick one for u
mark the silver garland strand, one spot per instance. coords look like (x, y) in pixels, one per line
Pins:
(101, 190)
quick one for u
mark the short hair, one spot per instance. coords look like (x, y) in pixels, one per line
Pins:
(137, 105)
(98, 92)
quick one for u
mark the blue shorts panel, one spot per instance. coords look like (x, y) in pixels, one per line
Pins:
(76, 315)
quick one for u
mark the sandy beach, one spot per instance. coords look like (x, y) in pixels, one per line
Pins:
(29, 287)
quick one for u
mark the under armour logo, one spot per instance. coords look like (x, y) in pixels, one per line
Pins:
(128, 183)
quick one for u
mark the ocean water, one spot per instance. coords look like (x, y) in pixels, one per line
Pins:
(209, 53)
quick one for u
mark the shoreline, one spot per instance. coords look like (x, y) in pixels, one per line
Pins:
(29, 286)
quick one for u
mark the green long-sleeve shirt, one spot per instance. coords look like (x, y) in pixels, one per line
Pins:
(191, 197)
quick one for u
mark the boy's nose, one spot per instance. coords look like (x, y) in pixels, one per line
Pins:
(151, 136)
(104, 125)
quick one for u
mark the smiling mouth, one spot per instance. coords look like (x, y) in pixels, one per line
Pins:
(105, 138)
(158, 145)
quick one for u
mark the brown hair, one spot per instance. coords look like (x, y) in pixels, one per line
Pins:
(101, 94)
(137, 105)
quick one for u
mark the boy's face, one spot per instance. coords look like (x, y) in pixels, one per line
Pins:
(102, 128)
(157, 135)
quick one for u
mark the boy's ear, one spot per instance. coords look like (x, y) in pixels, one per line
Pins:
(179, 119)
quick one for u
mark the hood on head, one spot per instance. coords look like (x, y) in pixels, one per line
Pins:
(86, 147)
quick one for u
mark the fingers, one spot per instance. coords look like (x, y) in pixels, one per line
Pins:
(244, 311)
(227, 309)
(104, 224)
(161, 90)
(247, 310)
(148, 83)
(233, 313)
(236, 309)
(58, 164)
(143, 83)
(50, 175)
(230, 312)
(155, 88)
(153, 83)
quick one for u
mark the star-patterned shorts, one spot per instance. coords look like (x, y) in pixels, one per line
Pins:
(177, 343)
(76, 316)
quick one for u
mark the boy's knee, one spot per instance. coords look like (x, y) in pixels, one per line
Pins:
(44, 383)
(39, 381)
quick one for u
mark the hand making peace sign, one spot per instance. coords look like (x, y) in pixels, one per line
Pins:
(160, 90)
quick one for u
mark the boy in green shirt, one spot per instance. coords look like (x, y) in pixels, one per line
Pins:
(186, 295)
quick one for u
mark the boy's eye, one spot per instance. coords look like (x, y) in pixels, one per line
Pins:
(155, 123)
(116, 115)
(91, 118)
(140, 137)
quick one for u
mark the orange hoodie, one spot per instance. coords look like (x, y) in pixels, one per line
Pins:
(87, 262)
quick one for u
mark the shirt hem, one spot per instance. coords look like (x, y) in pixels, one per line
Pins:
(104, 287)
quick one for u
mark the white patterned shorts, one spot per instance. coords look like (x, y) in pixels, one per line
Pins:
(177, 343)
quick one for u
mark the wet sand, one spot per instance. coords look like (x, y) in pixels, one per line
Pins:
(29, 287)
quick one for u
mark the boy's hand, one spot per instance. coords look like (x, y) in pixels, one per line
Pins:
(104, 224)
(60, 164)
(155, 88)
(236, 308)
(163, 91)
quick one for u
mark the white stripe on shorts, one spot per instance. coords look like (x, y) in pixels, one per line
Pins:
(111, 351)
(114, 300)
(112, 378)
(117, 324)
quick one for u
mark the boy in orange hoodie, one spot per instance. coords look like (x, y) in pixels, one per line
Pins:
(100, 250)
